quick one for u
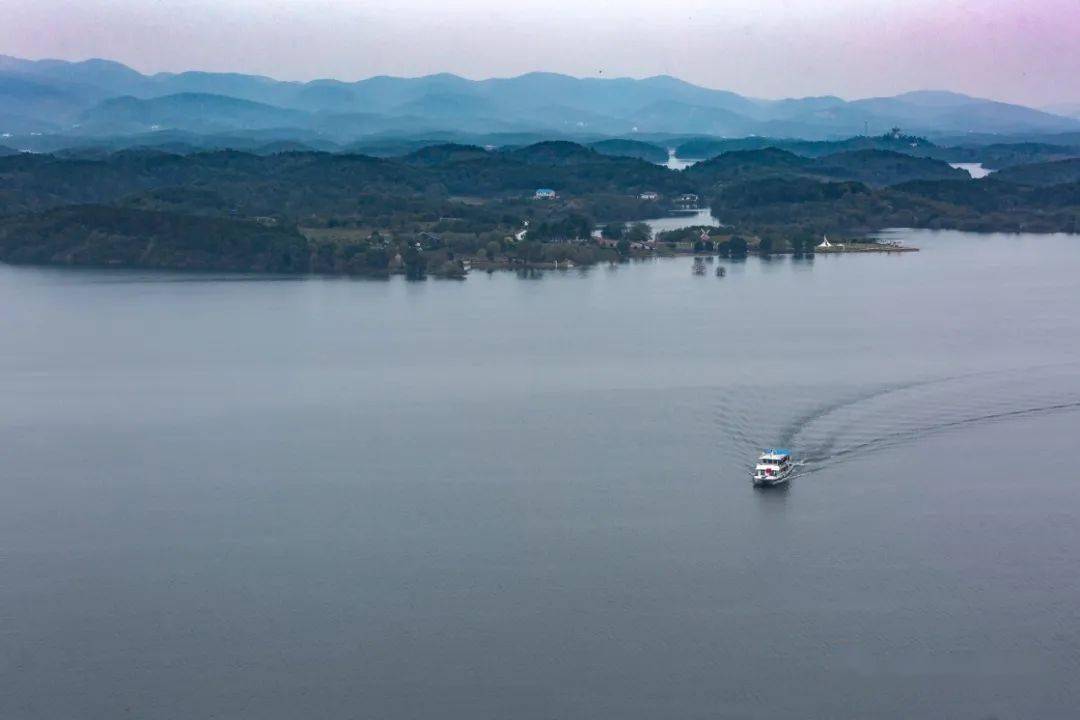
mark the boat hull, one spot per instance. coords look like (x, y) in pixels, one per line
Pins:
(772, 480)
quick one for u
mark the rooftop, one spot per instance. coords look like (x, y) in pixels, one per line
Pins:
(776, 452)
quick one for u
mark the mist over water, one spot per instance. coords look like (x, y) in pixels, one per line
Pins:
(529, 497)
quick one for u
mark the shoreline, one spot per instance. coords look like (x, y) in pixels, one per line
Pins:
(865, 248)
(469, 264)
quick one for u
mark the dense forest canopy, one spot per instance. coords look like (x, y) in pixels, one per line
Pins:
(434, 205)
(631, 148)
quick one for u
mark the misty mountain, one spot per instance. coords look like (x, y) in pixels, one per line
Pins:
(1065, 109)
(180, 142)
(194, 112)
(101, 97)
(675, 116)
(100, 77)
(945, 110)
(42, 100)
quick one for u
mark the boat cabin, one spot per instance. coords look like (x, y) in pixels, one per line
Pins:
(773, 464)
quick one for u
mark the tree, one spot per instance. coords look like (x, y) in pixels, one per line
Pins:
(802, 242)
(613, 231)
(580, 226)
(736, 246)
(530, 251)
(452, 269)
(415, 264)
(539, 231)
(623, 247)
(323, 262)
(639, 232)
(376, 258)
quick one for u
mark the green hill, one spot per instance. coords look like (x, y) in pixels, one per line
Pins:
(884, 167)
(195, 112)
(554, 152)
(873, 167)
(300, 211)
(631, 148)
(1047, 173)
(122, 237)
(443, 154)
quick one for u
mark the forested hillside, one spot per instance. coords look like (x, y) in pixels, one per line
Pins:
(429, 209)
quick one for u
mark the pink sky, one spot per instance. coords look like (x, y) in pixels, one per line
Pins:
(1016, 51)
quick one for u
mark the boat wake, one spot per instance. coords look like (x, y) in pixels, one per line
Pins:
(825, 424)
(883, 417)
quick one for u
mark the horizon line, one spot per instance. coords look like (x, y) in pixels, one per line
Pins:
(658, 76)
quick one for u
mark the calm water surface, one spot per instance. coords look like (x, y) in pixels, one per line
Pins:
(677, 163)
(529, 497)
(679, 220)
(975, 170)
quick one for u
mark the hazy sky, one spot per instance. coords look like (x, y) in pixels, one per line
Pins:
(1019, 51)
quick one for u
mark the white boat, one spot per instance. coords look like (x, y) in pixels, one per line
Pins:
(774, 467)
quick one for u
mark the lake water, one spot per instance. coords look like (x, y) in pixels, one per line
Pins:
(975, 170)
(681, 220)
(677, 163)
(528, 497)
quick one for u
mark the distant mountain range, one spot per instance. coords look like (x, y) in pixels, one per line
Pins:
(1065, 109)
(101, 98)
